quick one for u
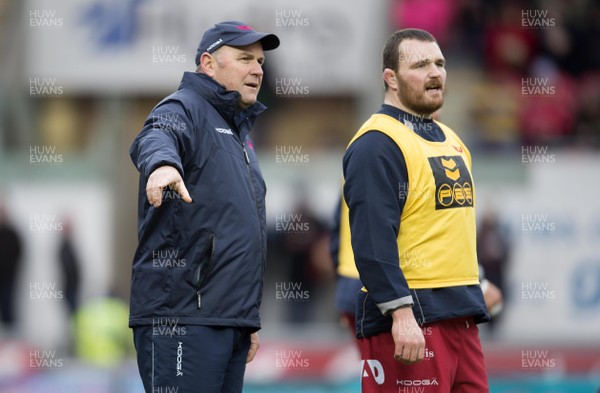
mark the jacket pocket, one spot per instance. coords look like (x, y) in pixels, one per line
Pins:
(201, 272)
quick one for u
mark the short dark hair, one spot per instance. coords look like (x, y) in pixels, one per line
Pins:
(391, 50)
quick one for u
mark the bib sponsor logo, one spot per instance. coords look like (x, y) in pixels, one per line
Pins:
(453, 184)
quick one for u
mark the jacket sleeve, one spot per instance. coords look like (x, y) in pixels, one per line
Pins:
(164, 139)
(375, 175)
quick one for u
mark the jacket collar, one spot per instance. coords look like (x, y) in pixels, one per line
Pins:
(224, 101)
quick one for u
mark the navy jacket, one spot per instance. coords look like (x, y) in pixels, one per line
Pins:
(202, 263)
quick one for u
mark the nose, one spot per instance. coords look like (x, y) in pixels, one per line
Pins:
(435, 71)
(257, 69)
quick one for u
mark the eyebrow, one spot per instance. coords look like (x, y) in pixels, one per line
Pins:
(428, 60)
(252, 55)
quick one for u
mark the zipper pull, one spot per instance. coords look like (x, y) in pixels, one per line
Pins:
(199, 298)
(246, 155)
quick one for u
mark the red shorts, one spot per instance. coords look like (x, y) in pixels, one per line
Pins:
(453, 362)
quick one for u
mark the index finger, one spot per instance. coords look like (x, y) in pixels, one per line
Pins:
(182, 190)
(421, 353)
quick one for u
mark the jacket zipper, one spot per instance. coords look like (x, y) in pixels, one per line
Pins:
(203, 269)
(254, 197)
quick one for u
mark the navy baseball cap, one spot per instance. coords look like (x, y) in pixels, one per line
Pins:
(233, 33)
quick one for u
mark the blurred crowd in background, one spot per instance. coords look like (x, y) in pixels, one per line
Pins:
(516, 51)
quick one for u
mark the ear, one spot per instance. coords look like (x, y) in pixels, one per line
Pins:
(389, 76)
(208, 64)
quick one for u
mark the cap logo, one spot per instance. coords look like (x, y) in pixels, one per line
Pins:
(244, 27)
(214, 44)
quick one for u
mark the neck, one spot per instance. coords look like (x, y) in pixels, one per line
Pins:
(391, 98)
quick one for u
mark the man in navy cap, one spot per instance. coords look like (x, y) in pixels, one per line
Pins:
(198, 270)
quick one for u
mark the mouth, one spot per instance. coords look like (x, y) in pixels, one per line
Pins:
(252, 85)
(434, 87)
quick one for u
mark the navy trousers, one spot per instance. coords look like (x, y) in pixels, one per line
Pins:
(188, 358)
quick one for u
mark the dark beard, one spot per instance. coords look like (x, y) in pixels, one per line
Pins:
(416, 103)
